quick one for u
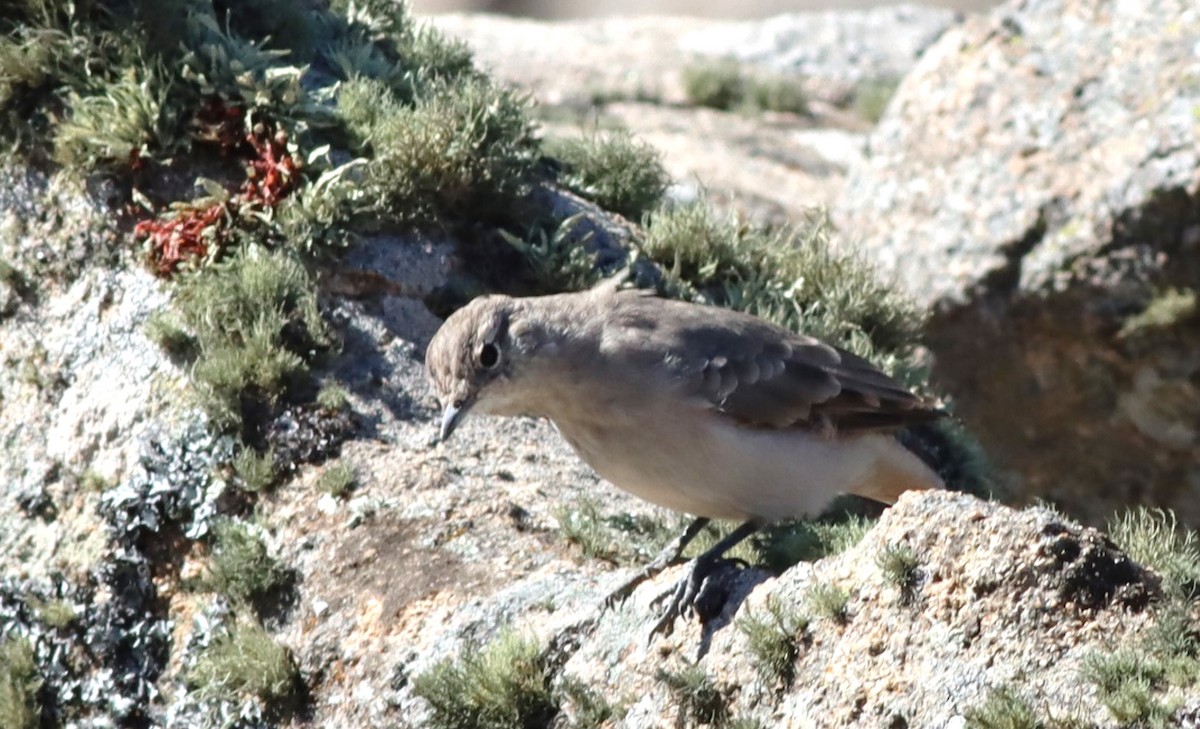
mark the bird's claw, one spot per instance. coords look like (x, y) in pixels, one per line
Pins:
(702, 592)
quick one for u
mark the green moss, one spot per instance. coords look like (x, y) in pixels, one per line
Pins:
(789, 276)
(94, 482)
(716, 84)
(164, 328)
(255, 471)
(57, 614)
(19, 685)
(901, 567)
(773, 638)
(872, 96)
(777, 92)
(246, 662)
(1155, 539)
(1167, 310)
(729, 85)
(745, 722)
(1003, 708)
(257, 327)
(614, 170)
(457, 149)
(1127, 683)
(617, 538)
(829, 601)
(783, 545)
(590, 709)
(338, 479)
(1144, 683)
(504, 685)
(242, 568)
(697, 695)
(332, 395)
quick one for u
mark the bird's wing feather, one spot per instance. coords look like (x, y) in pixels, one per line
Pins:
(764, 375)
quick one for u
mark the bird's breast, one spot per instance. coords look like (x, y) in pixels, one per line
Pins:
(693, 460)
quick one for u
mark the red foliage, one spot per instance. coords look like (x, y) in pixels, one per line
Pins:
(270, 176)
(221, 125)
(181, 238)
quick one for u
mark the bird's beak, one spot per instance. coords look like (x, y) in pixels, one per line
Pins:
(451, 417)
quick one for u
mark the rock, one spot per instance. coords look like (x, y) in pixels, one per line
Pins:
(833, 51)
(80, 380)
(109, 484)
(628, 72)
(996, 587)
(1036, 182)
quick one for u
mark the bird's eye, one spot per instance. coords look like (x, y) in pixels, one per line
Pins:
(489, 356)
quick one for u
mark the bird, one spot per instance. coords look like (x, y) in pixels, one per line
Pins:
(704, 410)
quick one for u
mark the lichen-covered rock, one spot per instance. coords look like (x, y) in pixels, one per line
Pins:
(80, 379)
(1037, 182)
(998, 598)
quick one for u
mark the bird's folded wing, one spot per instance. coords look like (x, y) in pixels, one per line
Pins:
(763, 375)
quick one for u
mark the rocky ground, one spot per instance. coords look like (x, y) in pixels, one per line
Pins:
(1033, 183)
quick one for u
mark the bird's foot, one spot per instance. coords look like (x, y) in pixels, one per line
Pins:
(669, 554)
(702, 592)
(650, 571)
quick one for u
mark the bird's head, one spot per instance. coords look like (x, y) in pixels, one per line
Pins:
(472, 359)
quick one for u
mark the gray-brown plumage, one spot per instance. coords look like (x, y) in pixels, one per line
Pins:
(703, 410)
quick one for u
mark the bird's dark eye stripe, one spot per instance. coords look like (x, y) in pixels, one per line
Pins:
(489, 356)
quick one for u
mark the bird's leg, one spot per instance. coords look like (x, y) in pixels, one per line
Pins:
(669, 554)
(688, 590)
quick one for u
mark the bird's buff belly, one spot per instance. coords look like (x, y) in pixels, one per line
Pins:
(708, 466)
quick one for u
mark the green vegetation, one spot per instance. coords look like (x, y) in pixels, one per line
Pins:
(715, 84)
(467, 147)
(1003, 708)
(13, 278)
(617, 538)
(338, 479)
(332, 396)
(164, 328)
(696, 694)
(1143, 684)
(729, 85)
(19, 685)
(901, 567)
(56, 614)
(504, 685)
(94, 482)
(784, 545)
(121, 121)
(242, 568)
(591, 709)
(773, 637)
(1128, 683)
(246, 662)
(557, 258)
(614, 170)
(776, 92)
(829, 601)
(1154, 538)
(257, 328)
(255, 471)
(745, 722)
(1167, 310)
(791, 277)
(871, 97)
